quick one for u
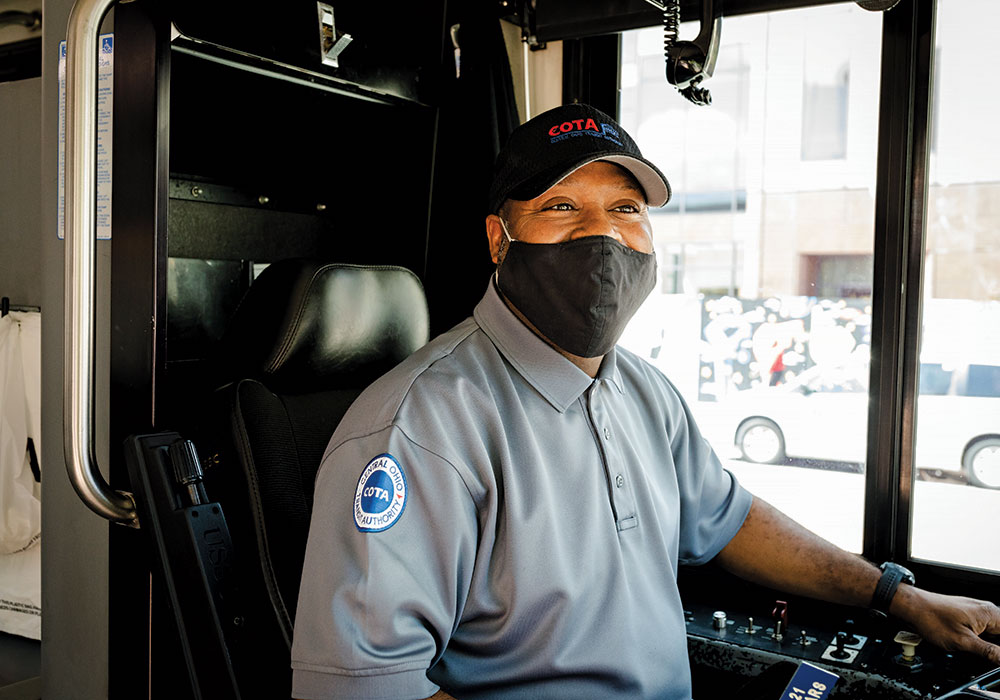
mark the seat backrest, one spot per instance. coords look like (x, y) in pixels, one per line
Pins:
(306, 339)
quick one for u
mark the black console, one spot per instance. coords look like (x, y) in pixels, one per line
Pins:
(983, 688)
(738, 634)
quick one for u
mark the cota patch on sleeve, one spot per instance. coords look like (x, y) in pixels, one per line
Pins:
(381, 495)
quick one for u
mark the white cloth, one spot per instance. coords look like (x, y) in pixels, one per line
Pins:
(20, 504)
(21, 593)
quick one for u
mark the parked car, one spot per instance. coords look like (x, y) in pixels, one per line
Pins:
(824, 415)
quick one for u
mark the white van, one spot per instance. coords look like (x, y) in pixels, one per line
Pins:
(820, 416)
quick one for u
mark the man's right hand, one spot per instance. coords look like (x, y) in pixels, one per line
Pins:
(953, 623)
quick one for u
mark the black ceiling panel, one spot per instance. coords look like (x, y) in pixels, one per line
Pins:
(395, 45)
(573, 19)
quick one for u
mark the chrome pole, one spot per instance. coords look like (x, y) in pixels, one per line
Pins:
(81, 189)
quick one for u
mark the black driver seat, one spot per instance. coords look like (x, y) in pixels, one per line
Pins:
(307, 338)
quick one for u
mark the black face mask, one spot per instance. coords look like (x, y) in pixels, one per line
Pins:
(579, 294)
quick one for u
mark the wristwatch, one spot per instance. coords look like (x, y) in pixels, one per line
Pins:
(892, 576)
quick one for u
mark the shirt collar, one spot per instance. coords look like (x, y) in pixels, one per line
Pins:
(609, 371)
(552, 375)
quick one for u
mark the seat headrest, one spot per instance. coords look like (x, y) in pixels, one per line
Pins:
(305, 325)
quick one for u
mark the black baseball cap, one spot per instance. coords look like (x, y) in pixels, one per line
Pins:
(547, 148)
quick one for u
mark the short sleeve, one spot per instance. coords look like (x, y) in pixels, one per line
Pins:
(387, 570)
(713, 504)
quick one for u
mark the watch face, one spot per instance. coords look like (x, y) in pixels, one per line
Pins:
(906, 575)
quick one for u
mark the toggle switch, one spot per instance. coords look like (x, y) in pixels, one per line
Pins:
(780, 617)
(750, 628)
(852, 638)
(840, 642)
(839, 650)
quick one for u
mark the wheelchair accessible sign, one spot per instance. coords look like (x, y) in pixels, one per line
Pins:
(105, 82)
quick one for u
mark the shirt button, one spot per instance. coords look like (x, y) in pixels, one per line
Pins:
(619, 481)
(607, 434)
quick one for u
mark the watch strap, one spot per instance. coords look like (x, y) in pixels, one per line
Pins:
(885, 590)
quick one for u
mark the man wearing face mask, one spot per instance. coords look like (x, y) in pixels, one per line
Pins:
(503, 514)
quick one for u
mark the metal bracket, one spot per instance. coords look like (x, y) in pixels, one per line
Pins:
(528, 22)
(330, 45)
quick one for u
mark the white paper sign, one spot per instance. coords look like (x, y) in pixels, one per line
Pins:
(105, 100)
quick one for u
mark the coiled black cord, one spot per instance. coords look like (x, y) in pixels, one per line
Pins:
(671, 25)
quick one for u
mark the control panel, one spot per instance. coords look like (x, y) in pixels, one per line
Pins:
(986, 687)
(873, 658)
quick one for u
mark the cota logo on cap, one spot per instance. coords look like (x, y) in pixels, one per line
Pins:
(580, 127)
(574, 125)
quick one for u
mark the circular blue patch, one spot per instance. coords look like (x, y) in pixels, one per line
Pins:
(377, 493)
(380, 496)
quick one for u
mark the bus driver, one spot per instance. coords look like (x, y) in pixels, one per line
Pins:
(503, 514)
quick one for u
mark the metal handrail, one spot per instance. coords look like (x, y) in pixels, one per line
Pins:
(81, 185)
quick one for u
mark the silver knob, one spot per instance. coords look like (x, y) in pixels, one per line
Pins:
(719, 620)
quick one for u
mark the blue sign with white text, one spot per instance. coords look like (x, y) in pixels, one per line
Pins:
(810, 683)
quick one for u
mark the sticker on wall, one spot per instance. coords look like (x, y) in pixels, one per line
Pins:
(105, 101)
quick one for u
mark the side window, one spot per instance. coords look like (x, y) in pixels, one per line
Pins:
(956, 435)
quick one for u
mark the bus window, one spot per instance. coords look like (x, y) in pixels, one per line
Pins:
(762, 317)
(958, 436)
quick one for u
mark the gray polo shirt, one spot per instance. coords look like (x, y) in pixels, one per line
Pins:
(490, 520)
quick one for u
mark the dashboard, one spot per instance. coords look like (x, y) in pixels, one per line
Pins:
(739, 635)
